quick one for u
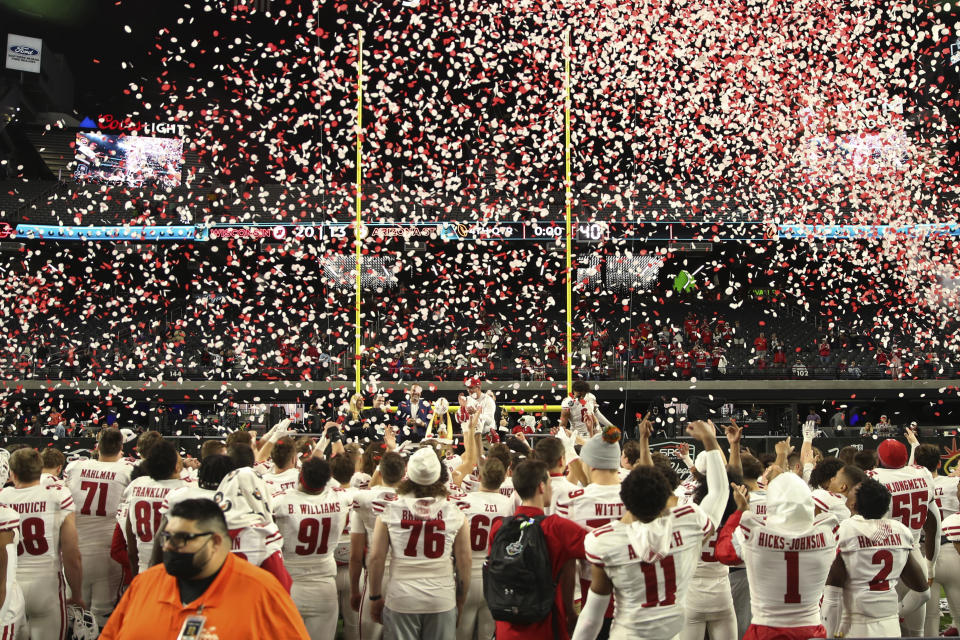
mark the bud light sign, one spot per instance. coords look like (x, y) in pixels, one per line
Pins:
(23, 53)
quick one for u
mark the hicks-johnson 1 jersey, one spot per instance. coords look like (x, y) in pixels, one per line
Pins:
(874, 553)
(42, 510)
(649, 597)
(311, 525)
(945, 492)
(911, 494)
(787, 571)
(481, 509)
(421, 533)
(97, 489)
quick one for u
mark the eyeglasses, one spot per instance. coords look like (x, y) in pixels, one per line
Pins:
(179, 539)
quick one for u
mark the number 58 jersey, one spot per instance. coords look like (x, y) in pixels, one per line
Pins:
(42, 510)
(874, 553)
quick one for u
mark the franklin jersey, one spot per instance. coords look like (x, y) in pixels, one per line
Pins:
(655, 591)
(911, 494)
(874, 553)
(144, 497)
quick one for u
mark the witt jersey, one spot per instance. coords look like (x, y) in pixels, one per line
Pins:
(482, 508)
(945, 492)
(144, 497)
(311, 526)
(421, 534)
(786, 571)
(874, 553)
(187, 492)
(911, 493)
(281, 482)
(831, 503)
(42, 510)
(654, 591)
(97, 489)
(593, 506)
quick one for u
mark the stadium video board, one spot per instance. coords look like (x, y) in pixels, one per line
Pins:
(133, 161)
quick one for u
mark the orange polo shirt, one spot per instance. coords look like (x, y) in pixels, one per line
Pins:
(243, 602)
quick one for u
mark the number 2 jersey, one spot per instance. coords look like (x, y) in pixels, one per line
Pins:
(311, 525)
(874, 553)
(421, 535)
(97, 489)
(911, 494)
(42, 510)
(650, 566)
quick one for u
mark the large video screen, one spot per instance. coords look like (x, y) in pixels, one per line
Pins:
(134, 161)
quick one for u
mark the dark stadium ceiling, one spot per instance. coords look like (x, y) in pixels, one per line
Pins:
(463, 112)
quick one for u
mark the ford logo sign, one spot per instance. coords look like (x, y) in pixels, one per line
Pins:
(24, 50)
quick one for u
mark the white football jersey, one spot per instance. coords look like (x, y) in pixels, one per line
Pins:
(279, 483)
(560, 487)
(951, 527)
(421, 534)
(786, 571)
(363, 503)
(97, 489)
(831, 503)
(654, 592)
(592, 506)
(945, 492)
(911, 493)
(482, 508)
(580, 408)
(144, 497)
(42, 510)
(256, 543)
(311, 525)
(758, 503)
(341, 553)
(874, 553)
(187, 492)
(13, 605)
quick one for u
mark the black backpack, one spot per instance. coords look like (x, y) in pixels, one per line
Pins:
(518, 580)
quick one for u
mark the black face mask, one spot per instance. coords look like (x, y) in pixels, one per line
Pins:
(182, 565)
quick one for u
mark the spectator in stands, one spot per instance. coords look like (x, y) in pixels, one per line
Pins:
(824, 353)
(237, 600)
(866, 429)
(760, 344)
(779, 359)
(775, 342)
(649, 356)
(853, 370)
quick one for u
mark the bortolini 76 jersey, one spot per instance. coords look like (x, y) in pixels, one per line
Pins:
(787, 570)
(311, 525)
(481, 509)
(911, 494)
(653, 591)
(97, 489)
(42, 510)
(874, 553)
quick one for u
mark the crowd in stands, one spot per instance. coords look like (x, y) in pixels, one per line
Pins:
(369, 532)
